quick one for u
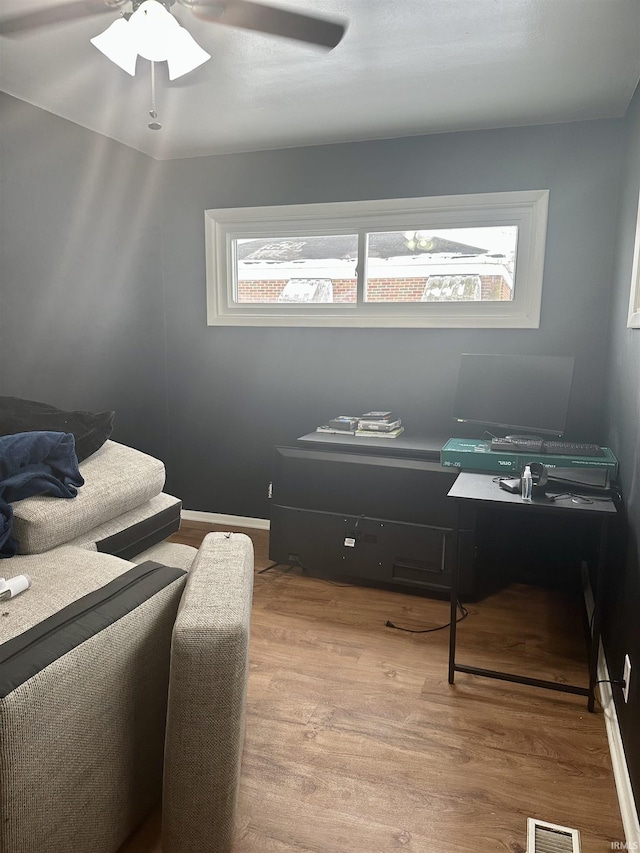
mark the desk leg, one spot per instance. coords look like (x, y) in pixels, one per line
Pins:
(455, 576)
(594, 647)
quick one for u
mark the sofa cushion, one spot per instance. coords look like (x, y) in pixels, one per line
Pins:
(90, 429)
(170, 554)
(59, 577)
(117, 479)
(135, 531)
(31, 651)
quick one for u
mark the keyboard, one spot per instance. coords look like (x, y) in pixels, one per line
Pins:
(570, 448)
(518, 445)
(538, 445)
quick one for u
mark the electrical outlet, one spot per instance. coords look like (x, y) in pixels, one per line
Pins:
(626, 674)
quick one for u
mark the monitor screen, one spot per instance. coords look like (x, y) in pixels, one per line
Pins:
(524, 393)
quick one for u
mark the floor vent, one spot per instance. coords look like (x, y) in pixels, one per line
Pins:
(550, 838)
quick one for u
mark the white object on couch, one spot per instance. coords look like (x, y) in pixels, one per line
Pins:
(14, 586)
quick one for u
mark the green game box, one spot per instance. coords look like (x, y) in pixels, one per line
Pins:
(474, 454)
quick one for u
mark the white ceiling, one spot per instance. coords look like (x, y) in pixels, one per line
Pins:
(404, 67)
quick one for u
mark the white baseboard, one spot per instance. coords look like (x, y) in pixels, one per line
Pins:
(628, 808)
(626, 801)
(233, 520)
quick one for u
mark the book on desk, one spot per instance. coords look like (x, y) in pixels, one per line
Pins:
(370, 425)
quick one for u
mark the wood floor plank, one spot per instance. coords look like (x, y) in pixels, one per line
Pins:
(356, 743)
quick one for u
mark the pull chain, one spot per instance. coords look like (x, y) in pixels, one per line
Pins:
(153, 125)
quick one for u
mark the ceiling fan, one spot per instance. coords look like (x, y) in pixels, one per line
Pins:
(147, 28)
(245, 14)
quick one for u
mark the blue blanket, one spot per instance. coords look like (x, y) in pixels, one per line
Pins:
(34, 463)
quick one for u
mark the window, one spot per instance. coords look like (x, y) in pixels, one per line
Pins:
(448, 261)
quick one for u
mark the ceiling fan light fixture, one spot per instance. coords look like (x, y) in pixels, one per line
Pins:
(186, 54)
(153, 30)
(153, 33)
(117, 45)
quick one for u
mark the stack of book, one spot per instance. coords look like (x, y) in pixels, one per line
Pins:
(379, 425)
(369, 425)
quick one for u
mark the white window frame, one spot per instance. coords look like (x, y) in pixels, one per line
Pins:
(633, 321)
(526, 209)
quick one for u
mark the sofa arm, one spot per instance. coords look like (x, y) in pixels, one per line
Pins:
(207, 694)
(83, 696)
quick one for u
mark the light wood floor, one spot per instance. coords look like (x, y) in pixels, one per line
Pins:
(356, 743)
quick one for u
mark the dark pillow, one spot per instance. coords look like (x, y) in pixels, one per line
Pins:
(90, 429)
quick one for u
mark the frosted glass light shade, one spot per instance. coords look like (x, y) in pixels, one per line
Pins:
(185, 55)
(153, 30)
(117, 45)
(153, 33)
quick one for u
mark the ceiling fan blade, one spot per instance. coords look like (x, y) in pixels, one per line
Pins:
(269, 19)
(55, 15)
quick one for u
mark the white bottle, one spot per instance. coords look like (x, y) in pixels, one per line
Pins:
(14, 586)
(526, 484)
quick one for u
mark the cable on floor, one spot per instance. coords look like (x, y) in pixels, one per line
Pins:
(459, 606)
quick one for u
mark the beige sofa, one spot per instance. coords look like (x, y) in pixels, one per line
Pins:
(121, 680)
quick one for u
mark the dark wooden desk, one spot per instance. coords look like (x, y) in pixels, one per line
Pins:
(473, 489)
(407, 444)
(371, 510)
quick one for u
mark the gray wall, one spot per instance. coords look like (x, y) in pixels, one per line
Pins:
(233, 393)
(81, 301)
(622, 635)
(92, 230)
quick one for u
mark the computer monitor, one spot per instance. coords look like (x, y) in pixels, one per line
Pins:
(525, 394)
